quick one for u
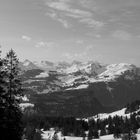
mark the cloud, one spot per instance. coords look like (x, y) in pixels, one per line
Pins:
(58, 5)
(40, 44)
(80, 41)
(66, 8)
(68, 56)
(88, 48)
(79, 55)
(102, 15)
(75, 56)
(97, 35)
(54, 16)
(27, 38)
(64, 5)
(92, 23)
(44, 44)
(64, 23)
(122, 35)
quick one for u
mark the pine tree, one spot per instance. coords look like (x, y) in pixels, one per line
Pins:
(90, 133)
(95, 134)
(12, 128)
(2, 91)
(103, 132)
(12, 78)
(3, 102)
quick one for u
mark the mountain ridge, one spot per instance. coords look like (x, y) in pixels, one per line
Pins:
(112, 85)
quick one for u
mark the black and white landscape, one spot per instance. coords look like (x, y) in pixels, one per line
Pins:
(80, 89)
(70, 69)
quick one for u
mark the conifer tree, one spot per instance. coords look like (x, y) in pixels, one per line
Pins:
(2, 91)
(12, 78)
(90, 133)
(3, 102)
(12, 113)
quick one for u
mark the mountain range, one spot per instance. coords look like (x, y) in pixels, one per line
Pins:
(79, 89)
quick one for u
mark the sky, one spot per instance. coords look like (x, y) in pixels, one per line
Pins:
(107, 31)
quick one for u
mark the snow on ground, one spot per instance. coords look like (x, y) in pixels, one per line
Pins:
(115, 70)
(26, 63)
(74, 68)
(108, 137)
(70, 80)
(83, 86)
(42, 75)
(113, 114)
(47, 135)
(112, 72)
(33, 80)
(73, 138)
(25, 105)
(24, 98)
(138, 136)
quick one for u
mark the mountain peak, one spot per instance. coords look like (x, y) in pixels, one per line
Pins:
(26, 62)
(27, 65)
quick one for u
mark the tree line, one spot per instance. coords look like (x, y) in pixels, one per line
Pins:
(93, 128)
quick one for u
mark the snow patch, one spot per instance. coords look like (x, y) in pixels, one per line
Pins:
(24, 98)
(25, 105)
(42, 75)
(26, 63)
(48, 135)
(83, 86)
(120, 113)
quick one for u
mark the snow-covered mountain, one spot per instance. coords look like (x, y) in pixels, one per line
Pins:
(92, 68)
(45, 65)
(27, 65)
(112, 85)
(113, 71)
(77, 75)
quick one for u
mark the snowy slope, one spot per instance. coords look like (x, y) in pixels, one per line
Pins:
(115, 70)
(25, 105)
(113, 114)
(42, 75)
(86, 67)
(47, 135)
(107, 137)
(74, 68)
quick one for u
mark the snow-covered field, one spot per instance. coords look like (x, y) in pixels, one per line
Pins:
(113, 114)
(107, 137)
(25, 105)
